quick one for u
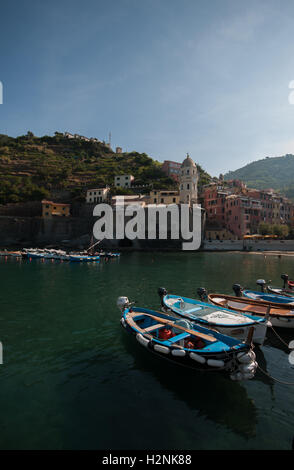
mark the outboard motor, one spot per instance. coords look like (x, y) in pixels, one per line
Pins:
(237, 289)
(162, 292)
(122, 303)
(285, 278)
(202, 293)
(261, 283)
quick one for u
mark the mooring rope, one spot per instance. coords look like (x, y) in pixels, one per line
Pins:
(273, 378)
(279, 337)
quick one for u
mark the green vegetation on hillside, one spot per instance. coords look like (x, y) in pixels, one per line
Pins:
(32, 167)
(276, 173)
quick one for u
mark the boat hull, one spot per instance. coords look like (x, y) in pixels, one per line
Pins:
(218, 353)
(225, 326)
(84, 258)
(281, 315)
(271, 298)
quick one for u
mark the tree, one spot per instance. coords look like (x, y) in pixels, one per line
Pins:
(264, 228)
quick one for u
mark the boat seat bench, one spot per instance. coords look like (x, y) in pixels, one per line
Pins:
(191, 310)
(153, 327)
(174, 339)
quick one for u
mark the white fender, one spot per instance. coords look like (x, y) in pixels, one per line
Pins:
(197, 358)
(123, 322)
(142, 340)
(236, 376)
(161, 349)
(178, 352)
(215, 363)
(246, 358)
(248, 368)
(248, 376)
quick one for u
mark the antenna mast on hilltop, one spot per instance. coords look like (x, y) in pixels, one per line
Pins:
(109, 141)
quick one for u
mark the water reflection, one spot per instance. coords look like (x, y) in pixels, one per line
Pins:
(209, 393)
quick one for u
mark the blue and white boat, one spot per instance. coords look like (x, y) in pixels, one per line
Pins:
(186, 343)
(279, 299)
(109, 255)
(35, 254)
(83, 258)
(224, 320)
(262, 295)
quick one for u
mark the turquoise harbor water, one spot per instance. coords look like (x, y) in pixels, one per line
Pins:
(73, 379)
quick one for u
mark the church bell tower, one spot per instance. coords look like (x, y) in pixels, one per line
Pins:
(188, 181)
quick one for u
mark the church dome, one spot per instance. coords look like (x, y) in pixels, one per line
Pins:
(188, 162)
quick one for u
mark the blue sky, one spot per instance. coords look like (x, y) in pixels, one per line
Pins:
(166, 77)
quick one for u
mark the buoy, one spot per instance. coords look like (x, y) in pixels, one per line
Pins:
(248, 376)
(178, 352)
(246, 358)
(161, 349)
(236, 376)
(197, 358)
(215, 363)
(142, 340)
(248, 368)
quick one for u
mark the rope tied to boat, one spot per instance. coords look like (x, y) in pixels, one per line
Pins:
(273, 378)
(278, 336)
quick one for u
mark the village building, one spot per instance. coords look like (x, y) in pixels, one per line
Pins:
(123, 181)
(133, 199)
(240, 210)
(188, 182)
(164, 197)
(97, 195)
(51, 209)
(171, 169)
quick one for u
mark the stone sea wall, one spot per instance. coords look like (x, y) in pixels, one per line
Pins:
(39, 231)
(249, 245)
(18, 232)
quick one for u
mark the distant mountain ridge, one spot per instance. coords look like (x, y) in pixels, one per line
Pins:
(270, 172)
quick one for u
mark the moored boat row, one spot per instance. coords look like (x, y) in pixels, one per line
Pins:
(60, 255)
(217, 332)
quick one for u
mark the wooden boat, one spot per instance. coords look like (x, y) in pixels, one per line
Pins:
(186, 343)
(224, 320)
(279, 314)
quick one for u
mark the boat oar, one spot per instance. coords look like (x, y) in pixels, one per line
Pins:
(192, 332)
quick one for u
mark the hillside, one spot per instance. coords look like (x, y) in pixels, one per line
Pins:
(271, 172)
(31, 167)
